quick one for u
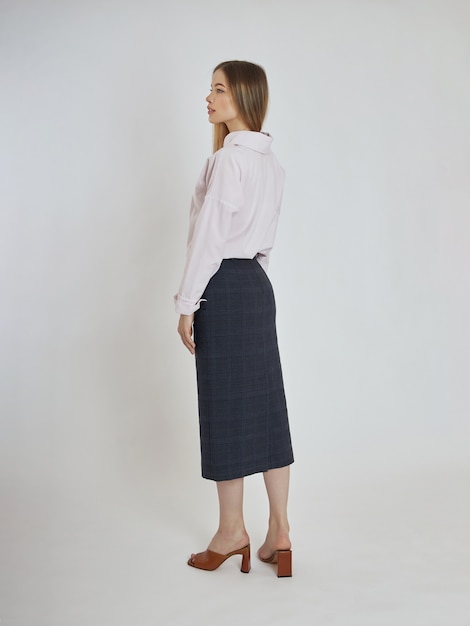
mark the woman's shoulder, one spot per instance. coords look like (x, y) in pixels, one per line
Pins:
(226, 158)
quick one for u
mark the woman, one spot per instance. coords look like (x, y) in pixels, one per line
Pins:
(226, 298)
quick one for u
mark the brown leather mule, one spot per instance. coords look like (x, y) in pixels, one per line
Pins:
(283, 560)
(210, 561)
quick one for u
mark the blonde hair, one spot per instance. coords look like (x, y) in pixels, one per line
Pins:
(249, 90)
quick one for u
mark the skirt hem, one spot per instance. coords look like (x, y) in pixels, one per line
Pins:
(248, 473)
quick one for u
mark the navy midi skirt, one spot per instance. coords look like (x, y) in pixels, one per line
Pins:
(243, 419)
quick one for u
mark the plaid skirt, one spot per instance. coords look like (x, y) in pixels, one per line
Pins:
(243, 419)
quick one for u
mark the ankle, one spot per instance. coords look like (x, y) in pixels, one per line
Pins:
(226, 540)
(279, 525)
(230, 532)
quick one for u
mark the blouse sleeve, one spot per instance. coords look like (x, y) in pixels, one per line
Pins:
(210, 229)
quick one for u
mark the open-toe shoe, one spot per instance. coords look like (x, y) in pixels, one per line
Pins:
(210, 560)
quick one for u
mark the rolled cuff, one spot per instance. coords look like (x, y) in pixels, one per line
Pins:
(186, 307)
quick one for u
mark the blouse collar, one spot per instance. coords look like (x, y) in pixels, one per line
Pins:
(261, 142)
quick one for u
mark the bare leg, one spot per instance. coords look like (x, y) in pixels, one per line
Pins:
(277, 487)
(231, 534)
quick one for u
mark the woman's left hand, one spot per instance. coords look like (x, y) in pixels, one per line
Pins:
(185, 330)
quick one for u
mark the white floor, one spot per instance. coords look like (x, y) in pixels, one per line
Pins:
(384, 550)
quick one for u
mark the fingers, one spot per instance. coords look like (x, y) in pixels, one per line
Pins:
(188, 342)
(186, 338)
(185, 330)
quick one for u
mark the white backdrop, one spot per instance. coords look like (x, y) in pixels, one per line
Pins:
(103, 134)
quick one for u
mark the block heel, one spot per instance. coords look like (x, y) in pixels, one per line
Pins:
(283, 560)
(284, 563)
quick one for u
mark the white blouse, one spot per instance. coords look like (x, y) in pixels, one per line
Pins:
(234, 212)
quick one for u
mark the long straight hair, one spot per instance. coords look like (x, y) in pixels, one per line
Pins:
(250, 94)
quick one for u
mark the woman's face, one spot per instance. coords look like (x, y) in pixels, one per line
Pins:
(220, 105)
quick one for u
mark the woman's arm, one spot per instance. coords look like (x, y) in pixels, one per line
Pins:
(210, 230)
